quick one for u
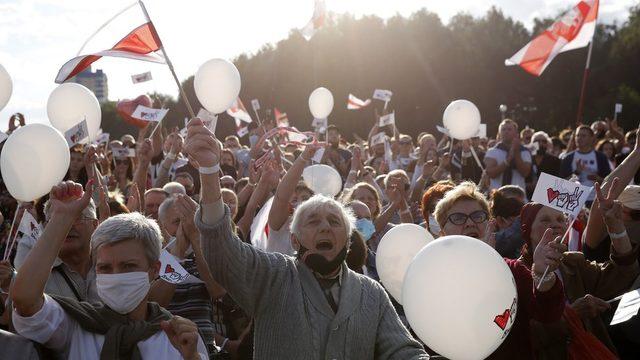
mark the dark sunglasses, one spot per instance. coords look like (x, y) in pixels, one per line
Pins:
(477, 217)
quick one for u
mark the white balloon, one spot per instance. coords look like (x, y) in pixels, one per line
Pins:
(460, 297)
(322, 179)
(395, 252)
(6, 87)
(33, 160)
(217, 85)
(321, 103)
(462, 119)
(69, 104)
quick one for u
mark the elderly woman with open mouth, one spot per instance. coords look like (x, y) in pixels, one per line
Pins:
(306, 307)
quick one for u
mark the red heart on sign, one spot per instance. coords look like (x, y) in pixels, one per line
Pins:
(168, 269)
(552, 194)
(501, 320)
(126, 108)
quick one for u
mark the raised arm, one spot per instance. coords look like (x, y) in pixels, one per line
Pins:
(140, 176)
(268, 182)
(249, 275)
(280, 209)
(165, 166)
(67, 201)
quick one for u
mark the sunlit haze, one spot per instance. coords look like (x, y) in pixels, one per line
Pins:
(38, 36)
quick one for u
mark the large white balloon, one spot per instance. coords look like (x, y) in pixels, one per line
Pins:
(33, 160)
(217, 85)
(395, 252)
(462, 119)
(322, 179)
(6, 87)
(460, 297)
(69, 104)
(321, 103)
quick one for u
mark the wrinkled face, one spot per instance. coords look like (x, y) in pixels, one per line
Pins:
(152, 202)
(322, 231)
(584, 139)
(232, 202)
(547, 218)
(366, 197)
(123, 257)
(77, 162)
(469, 227)
(542, 143)
(333, 137)
(170, 221)
(78, 238)
(508, 132)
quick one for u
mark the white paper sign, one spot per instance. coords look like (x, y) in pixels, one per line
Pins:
(123, 152)
(384, 95)
(618, 108)
(210, 120)
(3, 137)
(482, 131)
(388, 155)
(560, 194)
(255, 104)
(170, 269)
(317, 158)
(319, 123)
(103, 138)
(628, 307)
(378, 138)
(442, 130)
(180, 162)
(29, 226)
(242, 131)
(77, 133)
(149, 114)
(389, 119)
(138, 78)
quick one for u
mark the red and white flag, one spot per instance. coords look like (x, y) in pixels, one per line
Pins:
(355, 104)
(281, 118)
(317, 20)
(140, 44)
(574, 242)
(573, 30)
(238, 111)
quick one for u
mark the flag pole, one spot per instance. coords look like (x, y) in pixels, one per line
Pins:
(173, 72)
(584, 84)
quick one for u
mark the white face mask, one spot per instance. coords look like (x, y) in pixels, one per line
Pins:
(434, 227)
(123, 292)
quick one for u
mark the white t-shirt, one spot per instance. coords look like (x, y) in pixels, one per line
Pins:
(590, 164)
(500, 156)
(55, 329)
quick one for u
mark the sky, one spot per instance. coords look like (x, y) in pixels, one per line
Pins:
(38, 36)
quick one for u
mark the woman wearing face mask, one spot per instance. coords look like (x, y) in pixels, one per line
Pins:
(506, 203)
(465, 211)
(587, 285)
(428, 205)
(125, 252)
(365, 229)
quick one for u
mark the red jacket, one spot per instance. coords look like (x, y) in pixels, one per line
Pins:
(545, 307)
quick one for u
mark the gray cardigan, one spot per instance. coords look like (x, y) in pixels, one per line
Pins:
(293, 319)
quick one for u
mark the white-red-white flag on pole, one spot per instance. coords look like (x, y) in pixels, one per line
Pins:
(239, 112)
(573, 30)
(353, 103)
(317, 20)
(281, 118)
(142, 43)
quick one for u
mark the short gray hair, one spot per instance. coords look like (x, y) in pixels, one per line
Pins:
(173, 188)
(319, 201)
(132, 226)
(87, 213)
(164, 207)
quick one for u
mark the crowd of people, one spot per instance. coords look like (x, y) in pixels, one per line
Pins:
(86, 285)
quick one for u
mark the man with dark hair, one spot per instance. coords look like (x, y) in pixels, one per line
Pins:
(586, 163)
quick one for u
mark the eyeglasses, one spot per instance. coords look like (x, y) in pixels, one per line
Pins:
(477, 217)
